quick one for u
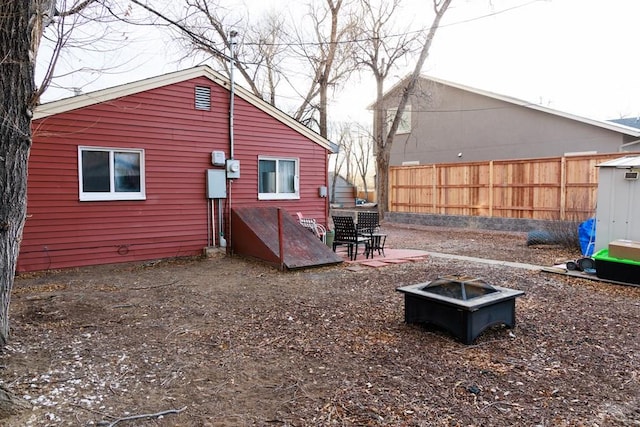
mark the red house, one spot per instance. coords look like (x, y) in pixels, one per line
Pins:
(150, 170)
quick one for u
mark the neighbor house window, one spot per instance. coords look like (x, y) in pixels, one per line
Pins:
(405, 120)
(277, 178)
(111, 174)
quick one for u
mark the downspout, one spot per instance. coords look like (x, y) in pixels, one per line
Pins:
(232, 48)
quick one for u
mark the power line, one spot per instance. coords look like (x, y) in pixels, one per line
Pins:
(200, 39)
(390, 36)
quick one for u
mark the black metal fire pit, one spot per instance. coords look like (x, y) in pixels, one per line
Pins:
(465, 306)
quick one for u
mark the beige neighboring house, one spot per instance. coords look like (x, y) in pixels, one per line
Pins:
(448, 122)
(344, 193)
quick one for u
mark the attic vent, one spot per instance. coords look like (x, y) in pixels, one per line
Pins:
(203, 98)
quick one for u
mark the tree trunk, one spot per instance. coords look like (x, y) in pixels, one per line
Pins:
(382, 178)
(18, 23)
(383, 156)
(323, 108)
(382, 164)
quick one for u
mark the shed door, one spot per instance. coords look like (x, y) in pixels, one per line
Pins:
(618, 211)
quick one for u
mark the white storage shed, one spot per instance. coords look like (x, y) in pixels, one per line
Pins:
(618, 209)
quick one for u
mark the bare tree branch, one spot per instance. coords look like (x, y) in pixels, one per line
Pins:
(196, 38)
(76, 8)
(384, 141)
(63, 33)
(439, 7)
(142, 416)
(329, 56)
(199, 17)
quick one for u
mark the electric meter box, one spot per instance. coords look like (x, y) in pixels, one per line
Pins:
(218, 158)
(216, 184)
(233, 169)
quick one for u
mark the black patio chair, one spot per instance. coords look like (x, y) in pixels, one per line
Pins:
(346, 234)
(369, 226)
(368, 222)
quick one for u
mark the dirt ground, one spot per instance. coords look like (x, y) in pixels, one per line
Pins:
(229, 342)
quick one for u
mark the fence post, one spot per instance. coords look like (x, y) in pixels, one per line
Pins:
(563, 188)
(490, 188)
(434, 192)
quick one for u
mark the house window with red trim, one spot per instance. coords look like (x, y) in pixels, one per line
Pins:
(111, 174)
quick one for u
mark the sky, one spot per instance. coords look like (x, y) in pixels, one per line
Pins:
(575, 56)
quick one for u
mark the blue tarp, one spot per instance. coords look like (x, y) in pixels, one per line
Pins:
(587, 236)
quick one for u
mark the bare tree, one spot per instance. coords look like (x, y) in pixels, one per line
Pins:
(381, 45)
(328, 55)
(343, 158)
(23, 24)
(85, 36)
(267, 53)
(203, 28)
(384, 141)
(362, 154)
(325, 50)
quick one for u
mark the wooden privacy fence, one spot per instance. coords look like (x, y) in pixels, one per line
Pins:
(557, 188)
(369, 196)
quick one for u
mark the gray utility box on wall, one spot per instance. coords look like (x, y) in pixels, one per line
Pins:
(216, 184)
(618, 209)
(233, 169)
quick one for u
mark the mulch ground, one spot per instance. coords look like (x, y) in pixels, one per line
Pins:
(229, 342)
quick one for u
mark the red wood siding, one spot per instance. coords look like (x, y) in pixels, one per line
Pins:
(62, 231)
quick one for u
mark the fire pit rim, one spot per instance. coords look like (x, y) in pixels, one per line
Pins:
(461, 283)
(470, 305)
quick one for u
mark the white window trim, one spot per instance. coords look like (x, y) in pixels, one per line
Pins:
(296, 180)
(405, 121)
(112, 195)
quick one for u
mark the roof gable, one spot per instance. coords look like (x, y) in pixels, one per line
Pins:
(105, 95)
(616, 127)
(340, 180)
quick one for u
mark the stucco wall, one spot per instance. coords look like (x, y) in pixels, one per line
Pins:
(447, 122)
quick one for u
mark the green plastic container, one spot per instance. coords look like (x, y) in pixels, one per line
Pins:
(329, 238)
(618, 269)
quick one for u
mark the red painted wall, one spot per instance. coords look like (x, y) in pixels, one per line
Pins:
(62, 231)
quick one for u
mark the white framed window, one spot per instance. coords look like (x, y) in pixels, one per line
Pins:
(405, 120)
(111, 174)
(278, 178)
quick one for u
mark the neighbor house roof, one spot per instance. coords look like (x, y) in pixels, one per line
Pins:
(339, 176)
(616, 127)
(104, 95)
(633, 122)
